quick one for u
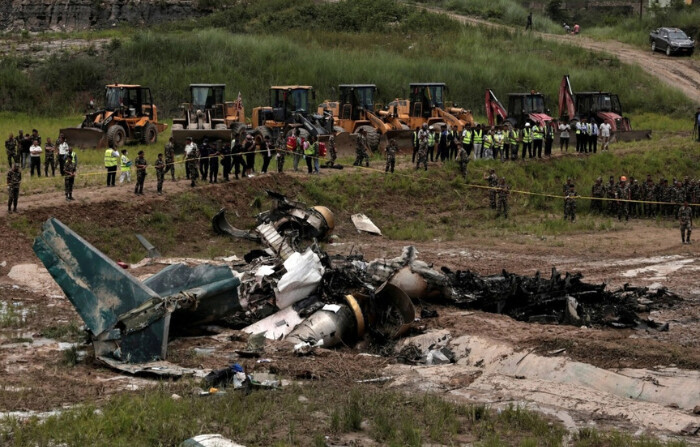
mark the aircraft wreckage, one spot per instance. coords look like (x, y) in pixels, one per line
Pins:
(307, 297)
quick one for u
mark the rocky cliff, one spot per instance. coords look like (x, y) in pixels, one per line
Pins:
(64, 15)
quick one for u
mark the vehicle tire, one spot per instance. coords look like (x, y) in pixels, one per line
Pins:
(261, 132)
(302, 133)
(338, 129)
(116, 136)
(236, 129)
(150, 134)
(372, 137)
(220, 127)
(653, 46)
(177, 127)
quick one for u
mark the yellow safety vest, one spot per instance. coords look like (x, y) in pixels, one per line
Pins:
(527, 135)
(498, 140)
(537, 132)
(513, 137)
(467, 138)
(478, 136)
(110, 159)
(431, 139)
(125, 164)
(488, 141)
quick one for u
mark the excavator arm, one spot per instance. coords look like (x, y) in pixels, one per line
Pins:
(449, 118)
(494, 108)
(567, 108)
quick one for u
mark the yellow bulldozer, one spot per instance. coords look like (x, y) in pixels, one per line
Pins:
(209, 115)
(128, 116)
(426, 104)
(356, 110)
(289, 110)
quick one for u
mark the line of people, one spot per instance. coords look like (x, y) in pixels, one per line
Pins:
(27, 150)
(439, 143)
(668, 197)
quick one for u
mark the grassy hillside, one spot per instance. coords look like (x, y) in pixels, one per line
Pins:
(255, 44)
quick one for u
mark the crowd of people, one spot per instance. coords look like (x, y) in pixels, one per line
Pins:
(505, 143)
(623, 198)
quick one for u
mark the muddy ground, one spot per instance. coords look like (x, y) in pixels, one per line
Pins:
(36, 376)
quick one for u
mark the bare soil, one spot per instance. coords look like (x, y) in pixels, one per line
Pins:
(35, 375)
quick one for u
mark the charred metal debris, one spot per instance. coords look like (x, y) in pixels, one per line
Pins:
(293, 290)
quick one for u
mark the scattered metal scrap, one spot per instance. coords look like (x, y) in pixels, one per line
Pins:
(308, 298)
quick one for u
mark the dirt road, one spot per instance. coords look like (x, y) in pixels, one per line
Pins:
(681, 73)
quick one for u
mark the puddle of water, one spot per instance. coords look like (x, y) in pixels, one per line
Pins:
(661, 270)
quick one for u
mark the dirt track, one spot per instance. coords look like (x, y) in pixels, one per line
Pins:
(681, 73)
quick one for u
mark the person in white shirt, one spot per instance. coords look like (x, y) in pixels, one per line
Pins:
(62, 152)
(125, 168)
(593, 139)
(605, 135)
(35, 158)
(564, 129)
(189, 147)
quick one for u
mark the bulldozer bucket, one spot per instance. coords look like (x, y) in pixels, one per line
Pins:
(631, 135)
(404, 138)
(85, 137)
(345, 144)
(198, 135)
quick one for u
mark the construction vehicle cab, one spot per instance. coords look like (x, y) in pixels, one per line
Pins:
(528, 106)
(128, 116)
(427, 105)
(290, 109)
(355, 111)
(601, 107)
(208, 115)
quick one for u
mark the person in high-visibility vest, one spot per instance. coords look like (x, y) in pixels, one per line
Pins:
(513, 136)
(488, 145)
(537, 139)
(527, 140)
(498, 142)
(125, 168)
(467, 140)
(111, 163)
(478, 141)
(433, 140)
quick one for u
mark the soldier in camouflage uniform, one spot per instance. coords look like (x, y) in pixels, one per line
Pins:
(503, 192)
(50, 158)
(610, 189)
(14, 179)
(661, 197)
(423, 137)
(191, 165)
(361, 150)
(160, 173)
(332, 151)
(597, 192)
(170, 158)
(69, 171)
(492, 180)
(11, 150)
(685, 218)
(463, 159)
(635, 194)
(570, 203)
(391, 151)
(622, 193)
(565, 187)
(676, 197)
(649, 195)
(140, 164)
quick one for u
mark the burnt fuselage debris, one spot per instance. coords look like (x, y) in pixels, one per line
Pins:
(308, 297)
